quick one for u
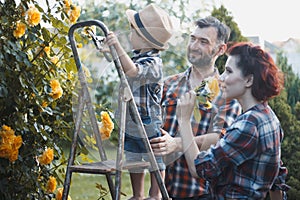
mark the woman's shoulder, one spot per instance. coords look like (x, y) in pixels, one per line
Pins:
(260, 113)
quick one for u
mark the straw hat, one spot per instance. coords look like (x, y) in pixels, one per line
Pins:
(153, 24)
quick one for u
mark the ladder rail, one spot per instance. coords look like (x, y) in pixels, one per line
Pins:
(73, 147)
(88, 102)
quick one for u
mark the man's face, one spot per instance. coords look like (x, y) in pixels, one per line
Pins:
(202, 47)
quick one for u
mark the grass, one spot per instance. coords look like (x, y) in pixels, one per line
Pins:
(83, 186)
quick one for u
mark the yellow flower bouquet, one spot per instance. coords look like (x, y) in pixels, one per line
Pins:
(206, 93)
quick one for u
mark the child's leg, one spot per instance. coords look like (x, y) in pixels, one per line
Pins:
(154, 192)
(132, 149)
(137, 184)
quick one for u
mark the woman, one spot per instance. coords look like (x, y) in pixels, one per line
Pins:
(246, 161)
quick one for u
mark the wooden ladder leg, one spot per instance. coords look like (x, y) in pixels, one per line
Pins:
(72, 153)
(111, 185)
(67, 184)
(99, 142)
(152, 159)
(120, 151)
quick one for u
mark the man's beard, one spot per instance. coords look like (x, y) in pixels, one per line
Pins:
(203, 61)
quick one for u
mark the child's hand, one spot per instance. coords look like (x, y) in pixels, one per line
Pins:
(110, 40)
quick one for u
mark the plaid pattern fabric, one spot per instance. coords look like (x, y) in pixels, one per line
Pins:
(245, 161)
(146, 87)
(179, 181)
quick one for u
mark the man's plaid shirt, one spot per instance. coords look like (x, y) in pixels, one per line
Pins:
(179, 181)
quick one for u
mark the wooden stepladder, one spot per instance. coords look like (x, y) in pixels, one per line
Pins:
(109, 168)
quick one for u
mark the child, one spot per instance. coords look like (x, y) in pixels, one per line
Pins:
(151, 28)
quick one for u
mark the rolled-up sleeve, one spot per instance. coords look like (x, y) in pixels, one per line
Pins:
(279, 183)
(149, 69)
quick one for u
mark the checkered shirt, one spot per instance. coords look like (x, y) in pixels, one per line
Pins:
(179, 181)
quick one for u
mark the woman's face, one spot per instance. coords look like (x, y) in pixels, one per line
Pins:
(232, 83)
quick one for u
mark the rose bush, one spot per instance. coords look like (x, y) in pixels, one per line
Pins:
(36, 87)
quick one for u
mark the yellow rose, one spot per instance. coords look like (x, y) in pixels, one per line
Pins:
(13, 155)
(56, 89)
(59, 194)
(55, 60)
(5, 150)
(106, 125)
(33, 16)
(79, 45)
(20, 30)
(47, 50)
(47, 157)
(51, 184)
(74, 14)
(6, 128)
(17, 143)
(67, 3)
(9, 144)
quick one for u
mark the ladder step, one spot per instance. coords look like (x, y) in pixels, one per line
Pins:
(106, 166)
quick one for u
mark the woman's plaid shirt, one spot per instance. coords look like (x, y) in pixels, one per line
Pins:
(246, 161)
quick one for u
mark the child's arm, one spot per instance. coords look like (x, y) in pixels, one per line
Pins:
(128, 65)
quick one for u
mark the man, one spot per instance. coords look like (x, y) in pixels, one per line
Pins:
(206, 44)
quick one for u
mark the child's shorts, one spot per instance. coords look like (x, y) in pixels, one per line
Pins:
(134, 146)
(135, 151)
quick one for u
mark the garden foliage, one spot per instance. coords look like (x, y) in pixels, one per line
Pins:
(37, 78)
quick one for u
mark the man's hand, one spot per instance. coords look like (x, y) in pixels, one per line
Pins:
(165, 144)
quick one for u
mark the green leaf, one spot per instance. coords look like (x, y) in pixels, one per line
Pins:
(3, 91)
(48, 111)
(46, 34)
(201, 99)
(47, 89)
(62, 41)
(197, 114)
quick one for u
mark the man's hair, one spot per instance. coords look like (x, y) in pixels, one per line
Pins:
(222, 29)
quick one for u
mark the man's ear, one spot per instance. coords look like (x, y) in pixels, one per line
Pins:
(222, 49)
(249, 80)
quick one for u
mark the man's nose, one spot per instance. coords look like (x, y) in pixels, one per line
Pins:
(195, 45)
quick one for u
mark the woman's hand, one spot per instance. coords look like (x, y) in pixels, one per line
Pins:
(184, 111)
(185, 106)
